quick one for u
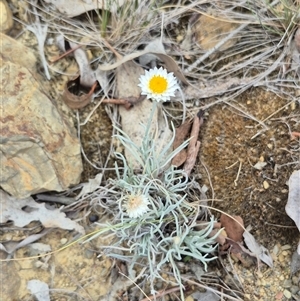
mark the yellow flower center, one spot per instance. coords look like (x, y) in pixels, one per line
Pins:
(158, 84)
(134, 202)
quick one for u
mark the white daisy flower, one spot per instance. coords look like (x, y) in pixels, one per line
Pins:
(136, 205)
(158, 84)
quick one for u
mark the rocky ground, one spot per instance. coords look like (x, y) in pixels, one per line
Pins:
(231, 144)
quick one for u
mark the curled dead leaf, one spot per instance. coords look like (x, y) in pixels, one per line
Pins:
(76, 96)
(221, 238)
(180, 136)
(171, 64)
(257, 249)
(188, 157)
(234, 226)
(194, 144)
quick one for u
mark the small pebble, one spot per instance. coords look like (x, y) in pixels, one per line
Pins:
(266, 184)
(279, 296)
(281, 258)
(8, 237)
(276, 250)
(295, 289)
(287, 283)
(286, 247)
(93, 218)
(179, 38)
(281, 277)
(63, 241)
(295, 280)
(284, 253)
(88, 254)
(287, 294)
(263, 282)
(259, 274)
(38, 264)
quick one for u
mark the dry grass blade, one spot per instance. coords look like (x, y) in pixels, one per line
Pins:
(218, 291)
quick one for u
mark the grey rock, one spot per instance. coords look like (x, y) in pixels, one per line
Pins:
(39, 148)
(6, 18)
(10, 281)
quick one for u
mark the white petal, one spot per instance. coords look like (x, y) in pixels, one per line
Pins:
(172, 84)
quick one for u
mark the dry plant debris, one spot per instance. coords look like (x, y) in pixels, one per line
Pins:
(180, 136)
(24, 211)
(236, 239)
(235, 61)
(78, 7)
(260, 252)
(194, 144)
(169, 62)
(74, 95)
(39, 289)
(188, 156)
(292, 209)
(234, 226)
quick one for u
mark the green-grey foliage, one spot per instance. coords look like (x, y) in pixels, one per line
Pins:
(166, 232)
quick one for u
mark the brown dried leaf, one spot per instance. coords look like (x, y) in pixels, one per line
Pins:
(221, 238)
(238, 251)
(233, 226)
(194, 144)
(180, 136)
(75, 96)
